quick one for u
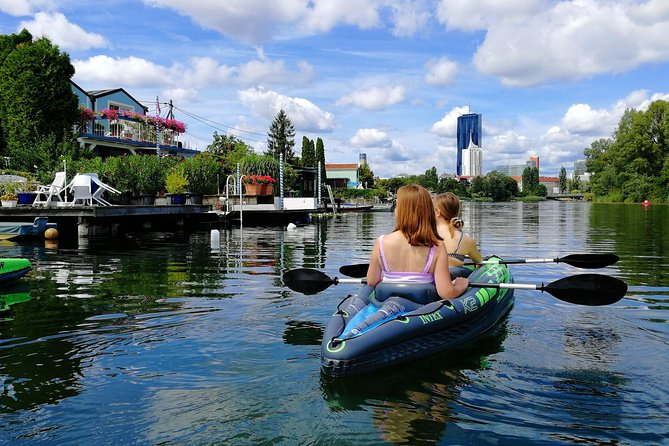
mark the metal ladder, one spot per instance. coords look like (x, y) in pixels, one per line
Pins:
(332, 202)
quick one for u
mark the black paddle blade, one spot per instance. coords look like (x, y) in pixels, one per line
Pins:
(589, 260)
(307, 280)
(358, 271)
(588, 289)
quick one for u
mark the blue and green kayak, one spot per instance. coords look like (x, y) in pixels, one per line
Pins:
(400, 322)
(13, 269)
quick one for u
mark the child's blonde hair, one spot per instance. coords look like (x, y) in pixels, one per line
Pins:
(448, 205)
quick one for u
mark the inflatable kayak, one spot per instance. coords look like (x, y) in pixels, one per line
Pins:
(12, 269)
(399, 322)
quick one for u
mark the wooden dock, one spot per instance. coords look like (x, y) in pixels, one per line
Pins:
(81, 221)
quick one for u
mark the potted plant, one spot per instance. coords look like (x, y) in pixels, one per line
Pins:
(150, 177)
(258, 184)
(121, 174)
(176, 184)
(8, 197)
(203, 173)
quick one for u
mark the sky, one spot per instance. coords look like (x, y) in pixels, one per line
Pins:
(387, 78)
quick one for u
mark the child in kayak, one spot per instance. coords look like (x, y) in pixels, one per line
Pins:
(449, 226)
(414, 251)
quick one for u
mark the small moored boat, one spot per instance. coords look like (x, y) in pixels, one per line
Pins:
(399, 322)
(10, 230)
(13, 269)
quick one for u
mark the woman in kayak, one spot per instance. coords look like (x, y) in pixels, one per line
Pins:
(449, 226)
(414, 251)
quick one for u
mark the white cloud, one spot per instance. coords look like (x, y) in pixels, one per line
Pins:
(304, 114)
(409, 17)
(61, 32)
(198, 73)
(24, 7)
(440, 71)
(375, 98)
(581, 118)
(326, 14)
(532, 42)
(366, 138)
(448, 125)
(128, 71)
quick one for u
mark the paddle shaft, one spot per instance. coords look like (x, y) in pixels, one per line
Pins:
(515, 286)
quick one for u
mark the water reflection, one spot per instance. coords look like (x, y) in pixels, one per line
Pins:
(153, 327)
(303, 333)
(412, 403)
(12, 294)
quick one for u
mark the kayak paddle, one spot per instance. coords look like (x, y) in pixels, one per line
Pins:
(581, 289)
(587, 261)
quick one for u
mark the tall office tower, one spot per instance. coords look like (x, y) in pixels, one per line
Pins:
(362, 159)
(469, 130)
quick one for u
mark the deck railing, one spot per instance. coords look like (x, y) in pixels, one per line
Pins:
(129, 129)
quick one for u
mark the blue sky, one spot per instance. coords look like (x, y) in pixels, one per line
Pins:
(383, 77)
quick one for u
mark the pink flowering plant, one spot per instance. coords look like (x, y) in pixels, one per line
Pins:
(258, 179)
(109, 113)
(86, 114)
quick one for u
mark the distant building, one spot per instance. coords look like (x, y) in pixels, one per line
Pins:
(579, 167)
(362, 160)
(342, 175)
(469, 130)
(472, 160)
(516, 170)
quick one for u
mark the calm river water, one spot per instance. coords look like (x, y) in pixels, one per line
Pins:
(154, 339)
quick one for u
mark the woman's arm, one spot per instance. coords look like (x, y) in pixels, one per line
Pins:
(472, 249)
(446, 288)
(374, 269)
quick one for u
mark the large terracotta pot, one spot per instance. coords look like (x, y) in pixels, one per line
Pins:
(258, 189)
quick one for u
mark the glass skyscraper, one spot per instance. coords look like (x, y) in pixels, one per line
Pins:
(469, 129)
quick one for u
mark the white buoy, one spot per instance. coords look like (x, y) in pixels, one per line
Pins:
(215, 239)
(291, 227)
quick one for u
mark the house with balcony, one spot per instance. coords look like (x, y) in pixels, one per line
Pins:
(114, 123)
(342, 175)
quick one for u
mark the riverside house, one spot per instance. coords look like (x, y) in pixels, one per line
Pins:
(114, 123)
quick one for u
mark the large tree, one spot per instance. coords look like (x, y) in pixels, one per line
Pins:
(308, 153)
(281, 138)
(563, 180)
(36, 99)
(366, 176)
(638, 152)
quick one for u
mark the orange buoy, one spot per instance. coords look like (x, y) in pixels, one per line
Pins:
(51, 234)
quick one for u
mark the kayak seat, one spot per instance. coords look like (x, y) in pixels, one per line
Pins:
(420, 293)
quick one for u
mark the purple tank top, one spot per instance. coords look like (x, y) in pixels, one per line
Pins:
(389, 276)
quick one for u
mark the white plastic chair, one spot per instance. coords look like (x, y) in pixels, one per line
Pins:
(87, 188)
(53, 192)
(82, 190)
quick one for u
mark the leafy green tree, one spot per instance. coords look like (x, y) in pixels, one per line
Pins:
(36, 98)
(308, 153)
(639, 149)
(563, 180)
(478, 185)
(430, 179)
(281, 138)
(366, 176)
(223, 144)
(530, 181)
